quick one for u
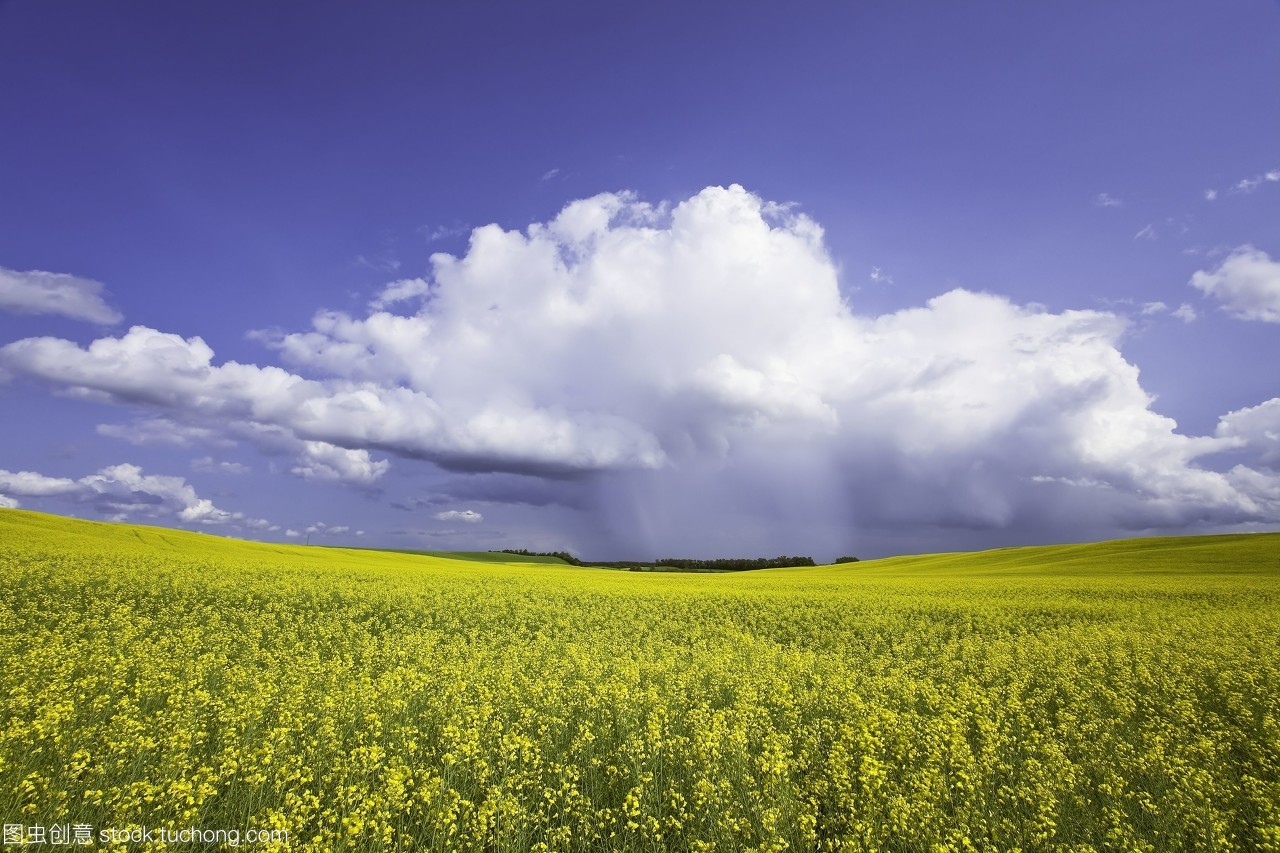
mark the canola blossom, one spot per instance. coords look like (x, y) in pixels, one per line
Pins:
(1117, 696)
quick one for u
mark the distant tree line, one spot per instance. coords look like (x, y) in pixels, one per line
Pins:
(734, 564)
(560, 555)
(680, 564)
(574, 561)
(847, 560)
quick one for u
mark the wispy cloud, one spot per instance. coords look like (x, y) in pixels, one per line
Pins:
(549, 175)
(1183, 312)
(161, 431)
(209, 465)
(380, 263)
(451, 533)
(1248, 185)
(880, 277)
(1244, 186)
(36, 292)
(436, 233)
(1107, 200)
(1148, 232)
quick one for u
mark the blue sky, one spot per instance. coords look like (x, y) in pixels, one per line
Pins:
(873, 278)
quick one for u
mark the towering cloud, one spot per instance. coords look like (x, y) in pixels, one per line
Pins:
(695, 373)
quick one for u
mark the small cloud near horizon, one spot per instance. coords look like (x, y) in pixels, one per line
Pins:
(468, 515)
(38, 292)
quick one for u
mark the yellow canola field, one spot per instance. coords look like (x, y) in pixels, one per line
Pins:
(1120, 696)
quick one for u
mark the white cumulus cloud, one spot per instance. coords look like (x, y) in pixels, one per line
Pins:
(322, 529)
(1246, 283)
(1257, 428)
(125, 488)
(496, 430)
(467, 515)
(36, 292)
(159, 431)
(694, 373)
(322, 461)
(32, 485)
(119, 490)
(400, 291)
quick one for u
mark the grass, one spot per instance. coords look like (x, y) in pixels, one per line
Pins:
(1114, 696)
(477, 556)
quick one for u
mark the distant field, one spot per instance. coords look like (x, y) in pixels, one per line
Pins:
(478, 556)
(1117, 696)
